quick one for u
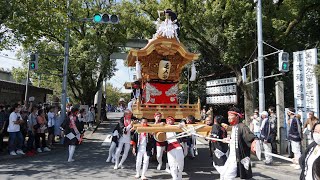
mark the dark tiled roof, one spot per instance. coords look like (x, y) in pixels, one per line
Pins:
(21, 87)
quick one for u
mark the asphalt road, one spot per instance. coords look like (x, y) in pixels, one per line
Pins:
(90, 163)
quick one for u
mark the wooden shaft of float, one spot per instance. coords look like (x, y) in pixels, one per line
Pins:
(135, 126)
(168, 128)
(158, 129)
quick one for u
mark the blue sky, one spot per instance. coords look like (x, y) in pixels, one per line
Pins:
(122, 75)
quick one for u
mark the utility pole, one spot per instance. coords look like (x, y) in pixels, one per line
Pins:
(65, 65)
(188, 84)
(260, 58)
(27, 84)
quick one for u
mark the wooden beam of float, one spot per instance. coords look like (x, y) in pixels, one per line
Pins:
(169, 128)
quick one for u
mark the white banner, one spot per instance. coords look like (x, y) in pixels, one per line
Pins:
(311, 81)
(305, 82)
(298, 83)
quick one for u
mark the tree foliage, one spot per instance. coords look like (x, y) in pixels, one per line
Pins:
(40, 27)
(222, 31)
(113, 95)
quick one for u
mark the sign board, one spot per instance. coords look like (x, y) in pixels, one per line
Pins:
(305, 82)
(222, 91)
(227, 99)
(219, 82)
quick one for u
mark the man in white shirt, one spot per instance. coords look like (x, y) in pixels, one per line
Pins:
(15, 120)
(51, 124)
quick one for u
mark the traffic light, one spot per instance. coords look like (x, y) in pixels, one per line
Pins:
(33, 64)
(284, 62)
(106, 18)
(244, 74)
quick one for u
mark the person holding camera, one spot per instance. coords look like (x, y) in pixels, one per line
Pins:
(15, 134)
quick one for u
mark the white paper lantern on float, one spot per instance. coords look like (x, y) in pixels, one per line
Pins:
(164, 69)
(138, 69)
(193, 72)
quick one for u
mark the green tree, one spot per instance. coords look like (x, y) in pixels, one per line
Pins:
(114, 94)
(40, 26)
(224, 31)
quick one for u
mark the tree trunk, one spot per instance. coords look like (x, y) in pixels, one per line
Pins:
(248, 103)
(248, 97)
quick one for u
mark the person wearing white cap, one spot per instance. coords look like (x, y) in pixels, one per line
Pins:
(295, 135)
(267, 133)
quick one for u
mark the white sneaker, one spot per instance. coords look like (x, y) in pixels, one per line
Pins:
(46, 149)
(168, 170)
(159, 167)
(20, 152)
(12, 153)
(143, 178)
(115, 166)
(297, 167)
(137, 176)
(39, 150)
(70, 160)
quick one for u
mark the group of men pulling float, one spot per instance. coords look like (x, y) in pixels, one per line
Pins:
(230, 161)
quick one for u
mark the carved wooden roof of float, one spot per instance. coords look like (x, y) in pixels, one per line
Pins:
(157, 50)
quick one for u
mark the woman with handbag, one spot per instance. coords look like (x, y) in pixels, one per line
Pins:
(41, 128)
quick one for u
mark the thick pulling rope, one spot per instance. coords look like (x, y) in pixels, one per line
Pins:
(188, 131)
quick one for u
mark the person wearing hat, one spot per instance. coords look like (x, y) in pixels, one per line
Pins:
(72, 129)
(267, 133)
(174, 153)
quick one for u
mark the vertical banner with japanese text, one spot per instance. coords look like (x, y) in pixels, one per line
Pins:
(306, 96)
(299, 84)
(311, 81)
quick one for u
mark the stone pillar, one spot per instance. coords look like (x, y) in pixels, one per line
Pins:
(281, 135)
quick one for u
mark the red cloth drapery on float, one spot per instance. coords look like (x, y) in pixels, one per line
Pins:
(159, 93)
